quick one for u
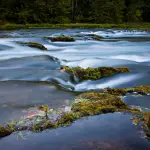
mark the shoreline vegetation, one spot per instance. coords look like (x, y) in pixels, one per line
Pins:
(132, 26)
(85, 104)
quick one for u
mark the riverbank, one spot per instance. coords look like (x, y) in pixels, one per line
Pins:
(136, 26)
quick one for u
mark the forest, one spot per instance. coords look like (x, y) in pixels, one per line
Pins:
(74, 11)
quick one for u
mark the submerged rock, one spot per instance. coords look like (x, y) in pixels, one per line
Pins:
(93, 73)
(61, 38)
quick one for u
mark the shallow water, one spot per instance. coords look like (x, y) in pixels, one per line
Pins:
(92, 133)
(17, 98)
(26, 75)
(142, 102)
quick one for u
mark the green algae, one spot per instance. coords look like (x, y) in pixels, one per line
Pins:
(94, 73)
(61, 38)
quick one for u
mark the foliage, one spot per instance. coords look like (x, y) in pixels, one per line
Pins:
(136, 26)
(66, 11)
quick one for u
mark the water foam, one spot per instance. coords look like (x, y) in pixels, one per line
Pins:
(113, 82)
(119, 33)
(132, 57)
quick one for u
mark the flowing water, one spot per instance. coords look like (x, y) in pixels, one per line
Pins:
(31, 77)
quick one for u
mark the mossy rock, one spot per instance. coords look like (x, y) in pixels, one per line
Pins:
(61, 39)
(36, 45)
(94, 73)
(86, 104)
(66, 119)
(95, 37)
(94, 103)
(5, 131)
(143, 90)
(116, 91)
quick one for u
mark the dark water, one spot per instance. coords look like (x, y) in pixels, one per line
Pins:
(27, 74)
(104, 132)
(142, 102)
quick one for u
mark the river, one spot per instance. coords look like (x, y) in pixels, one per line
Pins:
(31, 77)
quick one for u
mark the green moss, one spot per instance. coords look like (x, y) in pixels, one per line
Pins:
(100, 99)
(93, 103)
(5, 131)
(37, 128)
(94, 73)
(143, 90)
(11, 125)
(33, 44)
(66, 119)
(49, 125)
(61, 38)
(115, 91)
(36, 45)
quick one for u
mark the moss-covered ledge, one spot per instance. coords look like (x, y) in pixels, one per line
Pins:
(86, 104)
(61, 38)
(93, 73)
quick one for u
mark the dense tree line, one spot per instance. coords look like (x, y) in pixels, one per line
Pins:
(66, 11)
